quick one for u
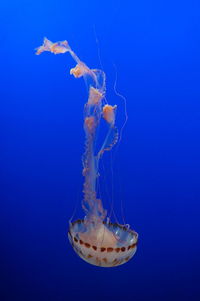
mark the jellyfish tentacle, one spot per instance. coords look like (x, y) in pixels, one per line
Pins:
(110, 140)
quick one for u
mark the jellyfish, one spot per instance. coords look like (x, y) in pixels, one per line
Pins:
(95, 239)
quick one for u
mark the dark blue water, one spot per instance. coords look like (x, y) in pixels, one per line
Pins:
(155, 46)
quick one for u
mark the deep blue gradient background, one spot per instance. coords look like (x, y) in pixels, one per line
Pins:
(155, 46)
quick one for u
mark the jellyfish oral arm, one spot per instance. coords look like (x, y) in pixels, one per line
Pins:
(94, 112)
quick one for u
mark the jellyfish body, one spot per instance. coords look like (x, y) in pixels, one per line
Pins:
(106, 245)
(94, 240)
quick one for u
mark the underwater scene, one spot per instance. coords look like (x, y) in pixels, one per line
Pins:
(100, 150)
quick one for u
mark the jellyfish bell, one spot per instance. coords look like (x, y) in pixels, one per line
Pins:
(105, 245)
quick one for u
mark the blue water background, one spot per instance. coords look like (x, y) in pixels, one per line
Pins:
(155, 46)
